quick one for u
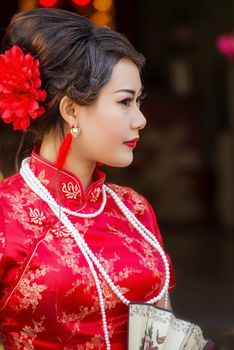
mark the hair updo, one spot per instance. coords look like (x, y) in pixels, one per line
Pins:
(76, 58)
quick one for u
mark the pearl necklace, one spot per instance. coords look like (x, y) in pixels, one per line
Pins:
(34, 183)
(90, 215)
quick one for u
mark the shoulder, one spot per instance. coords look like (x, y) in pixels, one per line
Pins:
(9, 189)
(139, 206)
(135, 201)
(10, 184)
(125, 191)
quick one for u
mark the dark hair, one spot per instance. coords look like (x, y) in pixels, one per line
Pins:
(76, 58)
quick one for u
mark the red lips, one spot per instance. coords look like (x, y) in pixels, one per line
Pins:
(132, 143)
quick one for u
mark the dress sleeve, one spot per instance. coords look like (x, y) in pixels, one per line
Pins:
(158, 235)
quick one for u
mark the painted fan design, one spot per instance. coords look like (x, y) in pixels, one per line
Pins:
(153, 328)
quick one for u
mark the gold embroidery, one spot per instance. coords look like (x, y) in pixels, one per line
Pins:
(71, 191)
(120, 190)
(24, 340)
(71, 319)
(41, 177)
(17, 202)
(68, 259)
(68, 255)
(29, 292)
(60, 231)
(108, 264)
(84, 282)
(37, 217)
(95, 194)
(139, 206)
(74, 319)
(127, 194)
(146, 254)
(95, 342)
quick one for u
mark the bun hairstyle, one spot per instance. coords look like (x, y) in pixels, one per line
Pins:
(76, 58)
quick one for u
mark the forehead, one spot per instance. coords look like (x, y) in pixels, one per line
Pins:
(125, 74)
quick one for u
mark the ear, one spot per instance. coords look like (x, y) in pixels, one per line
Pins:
(68, 110)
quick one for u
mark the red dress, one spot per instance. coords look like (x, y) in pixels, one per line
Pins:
(48, 298)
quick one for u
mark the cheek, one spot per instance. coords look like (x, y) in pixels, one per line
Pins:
(113, 132)
(108, 139)
(107, 128)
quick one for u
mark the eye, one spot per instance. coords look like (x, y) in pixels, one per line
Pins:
(126, 101)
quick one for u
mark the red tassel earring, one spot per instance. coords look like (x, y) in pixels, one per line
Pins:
(65, 147)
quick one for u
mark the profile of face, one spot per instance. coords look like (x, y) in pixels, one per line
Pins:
(111, 121)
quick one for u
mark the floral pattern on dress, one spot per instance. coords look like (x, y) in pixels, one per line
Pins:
(49, 293)
(42, 177)
(24, 340)
(29, 292)
(37, 216)
(95, 194)
(70, 190)
(60, 231)
(72, 319)
(18, 201)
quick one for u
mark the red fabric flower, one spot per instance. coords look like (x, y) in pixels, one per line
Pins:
(19, 88)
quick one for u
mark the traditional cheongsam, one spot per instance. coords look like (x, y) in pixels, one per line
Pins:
(48, 297)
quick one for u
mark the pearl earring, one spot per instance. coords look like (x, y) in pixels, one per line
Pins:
(75, 130)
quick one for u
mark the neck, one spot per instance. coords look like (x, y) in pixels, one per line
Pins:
(81, 168)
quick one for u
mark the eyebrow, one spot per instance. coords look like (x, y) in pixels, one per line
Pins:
(132, 92)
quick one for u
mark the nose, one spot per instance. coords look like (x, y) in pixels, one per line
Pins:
(139, 120)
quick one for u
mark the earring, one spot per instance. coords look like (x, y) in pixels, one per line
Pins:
(65, 147)
(75, 130)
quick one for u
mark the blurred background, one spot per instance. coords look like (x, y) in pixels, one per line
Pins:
(184, 163)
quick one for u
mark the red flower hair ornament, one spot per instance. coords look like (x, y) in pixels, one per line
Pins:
(19, 88)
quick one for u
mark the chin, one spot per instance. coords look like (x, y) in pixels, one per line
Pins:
(121, 163)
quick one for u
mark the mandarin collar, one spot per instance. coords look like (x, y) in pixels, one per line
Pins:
(66, 184)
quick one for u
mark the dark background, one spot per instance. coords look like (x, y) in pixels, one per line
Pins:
(184, 162)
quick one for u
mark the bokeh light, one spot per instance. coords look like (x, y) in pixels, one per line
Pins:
(102, 5)
(48, 3)
(27, 4)
(101, 18)
(81, 2)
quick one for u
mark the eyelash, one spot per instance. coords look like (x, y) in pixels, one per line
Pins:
(127, 101)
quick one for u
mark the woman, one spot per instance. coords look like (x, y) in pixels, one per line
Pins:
(75, 250)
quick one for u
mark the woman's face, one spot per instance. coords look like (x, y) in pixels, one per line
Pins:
(115, 119)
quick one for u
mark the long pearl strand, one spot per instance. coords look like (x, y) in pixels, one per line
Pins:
(44, 194)
(37, 187)
(150, 238)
